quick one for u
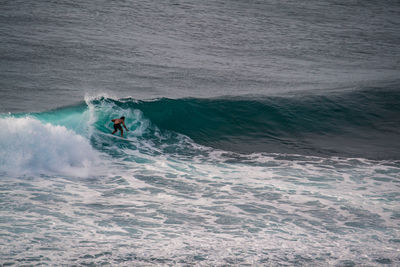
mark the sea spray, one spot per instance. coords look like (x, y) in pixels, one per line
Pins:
(30, 146)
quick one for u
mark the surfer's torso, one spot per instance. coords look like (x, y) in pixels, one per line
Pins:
(118, 121)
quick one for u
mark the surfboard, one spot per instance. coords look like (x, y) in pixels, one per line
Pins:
(125, 138)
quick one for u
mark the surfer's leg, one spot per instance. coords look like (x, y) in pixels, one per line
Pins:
(122, 133)
(115, 129)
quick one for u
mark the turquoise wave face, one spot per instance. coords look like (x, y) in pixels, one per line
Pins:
(355, 124)
(359, 124)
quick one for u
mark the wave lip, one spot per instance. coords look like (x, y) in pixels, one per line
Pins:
(28, 146)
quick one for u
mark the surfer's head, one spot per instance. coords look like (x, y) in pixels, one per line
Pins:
(122, 118)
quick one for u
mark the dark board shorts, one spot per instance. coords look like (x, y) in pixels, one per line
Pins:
(117, 127)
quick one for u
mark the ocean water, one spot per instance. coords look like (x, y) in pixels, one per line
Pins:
(262, 133)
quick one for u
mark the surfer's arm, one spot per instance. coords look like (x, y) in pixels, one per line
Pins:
(113, 120)
(123, 123)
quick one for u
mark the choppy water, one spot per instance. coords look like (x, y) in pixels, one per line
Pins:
(262, 133)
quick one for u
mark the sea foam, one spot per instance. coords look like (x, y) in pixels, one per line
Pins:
(28, 146)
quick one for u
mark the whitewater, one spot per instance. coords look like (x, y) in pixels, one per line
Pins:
(72, 193)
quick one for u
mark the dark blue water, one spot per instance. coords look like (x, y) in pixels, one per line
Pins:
(262, 133)
(53, 52)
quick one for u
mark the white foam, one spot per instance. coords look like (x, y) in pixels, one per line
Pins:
(92, 97)
(30, 146)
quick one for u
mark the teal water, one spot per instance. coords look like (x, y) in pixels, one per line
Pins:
(362, 123)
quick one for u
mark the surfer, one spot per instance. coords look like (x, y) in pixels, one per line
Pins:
(117, 125)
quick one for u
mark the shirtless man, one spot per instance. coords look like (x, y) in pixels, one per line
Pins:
(117, 125)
